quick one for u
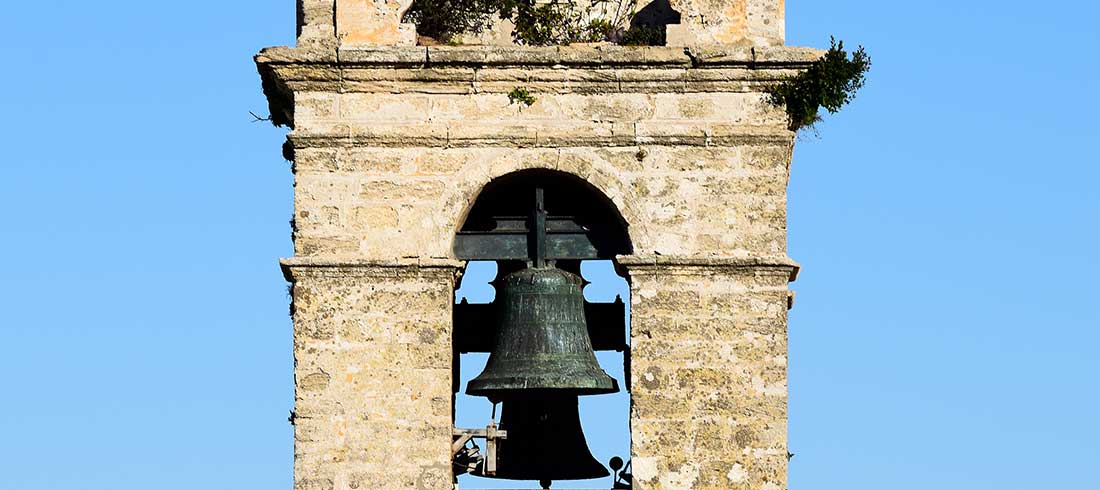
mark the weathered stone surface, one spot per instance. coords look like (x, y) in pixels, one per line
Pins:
(679, 200)
(709, 345)
(396, 70)
(315, 24)
(379, 23)
(727, 22)
(372, 351)
(373, 23)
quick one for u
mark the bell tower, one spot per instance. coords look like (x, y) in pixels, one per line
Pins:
(411, 160)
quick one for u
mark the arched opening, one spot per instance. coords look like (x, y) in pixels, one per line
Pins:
(506, 201)
(566, 223)
(650, 23)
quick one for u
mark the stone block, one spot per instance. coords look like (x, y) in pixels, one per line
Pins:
(371, 23)
(708, 396)
(392, 357)
(727, 22)
(376, 107)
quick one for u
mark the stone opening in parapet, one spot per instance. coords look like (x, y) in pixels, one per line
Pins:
(653, 20)
(300, 14)
(538, 23)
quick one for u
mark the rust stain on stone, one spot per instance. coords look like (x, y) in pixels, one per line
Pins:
(736, 23)
(362, 22)
(385, 34)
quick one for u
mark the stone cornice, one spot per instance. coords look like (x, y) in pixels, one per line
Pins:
(556, 56)
(297, 267)
(294, 267)
(555, 69)
(692, 265)
(459, 134)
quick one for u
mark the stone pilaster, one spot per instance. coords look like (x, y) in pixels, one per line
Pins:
(709, 372)
(373, 23)
(316, 23)
(372, 351)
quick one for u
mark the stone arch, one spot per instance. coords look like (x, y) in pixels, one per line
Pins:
(609, 180)
(602, 176)
(566, 195)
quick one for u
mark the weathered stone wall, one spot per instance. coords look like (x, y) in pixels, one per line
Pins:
(392, 146)
(372, 357)
(316, 23)
(388, 161)
(408, 202)
(728, 22)
(709, 379)
(373, 23)
(363, 23)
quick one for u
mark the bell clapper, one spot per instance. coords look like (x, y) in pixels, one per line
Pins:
(622, 480)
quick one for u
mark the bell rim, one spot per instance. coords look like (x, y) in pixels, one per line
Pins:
(518, 476)
(519, 391)
(600, 384)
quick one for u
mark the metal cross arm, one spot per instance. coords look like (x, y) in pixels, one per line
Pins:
(538, 237)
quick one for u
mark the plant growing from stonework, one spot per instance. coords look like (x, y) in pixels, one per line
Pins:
(830, 83)
(643, 35)
(557, 22)
(520, 95)
(561, 22)
(443, 20)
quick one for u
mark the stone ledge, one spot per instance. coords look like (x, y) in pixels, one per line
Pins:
(610, 55)
(673, 264)
(314, 266)
(555, 69)
(459, 135)
(523, 56)
(295, 267)
(437, 79)
(300, 54)
(754, 56)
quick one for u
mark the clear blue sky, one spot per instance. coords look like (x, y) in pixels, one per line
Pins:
(945, 333)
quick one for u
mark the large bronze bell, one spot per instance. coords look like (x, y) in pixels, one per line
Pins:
(545, 441)
(542, 344)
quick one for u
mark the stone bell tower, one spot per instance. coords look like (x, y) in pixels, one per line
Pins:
(395, 144)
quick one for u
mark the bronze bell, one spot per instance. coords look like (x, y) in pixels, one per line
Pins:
(542, 344)
(545, 441)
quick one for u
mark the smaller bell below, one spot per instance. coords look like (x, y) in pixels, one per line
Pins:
(545, 441)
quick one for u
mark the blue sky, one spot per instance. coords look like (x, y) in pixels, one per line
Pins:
(945, 330)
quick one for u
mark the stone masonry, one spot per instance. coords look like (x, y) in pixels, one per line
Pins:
(709, 394)
(359, 23)
(391, 146)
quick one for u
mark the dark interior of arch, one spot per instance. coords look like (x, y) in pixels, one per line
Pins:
(566, 197)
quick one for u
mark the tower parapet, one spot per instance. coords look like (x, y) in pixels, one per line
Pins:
(361, 23)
